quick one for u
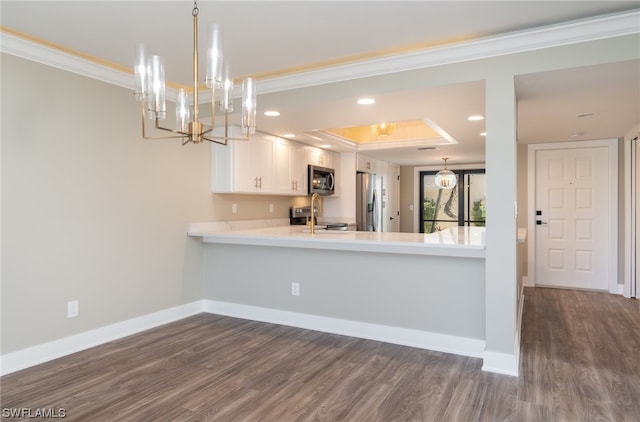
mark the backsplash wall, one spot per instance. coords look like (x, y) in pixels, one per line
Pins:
(253, 207)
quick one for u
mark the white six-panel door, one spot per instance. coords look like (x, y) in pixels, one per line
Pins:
(572, 200)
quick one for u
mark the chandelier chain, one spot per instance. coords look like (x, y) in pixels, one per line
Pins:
(195, 10)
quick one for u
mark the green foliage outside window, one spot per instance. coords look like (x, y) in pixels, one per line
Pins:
(479, 213)
(429, 209)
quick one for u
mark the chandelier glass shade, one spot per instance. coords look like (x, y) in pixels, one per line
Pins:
(445, 178)
(150, 91)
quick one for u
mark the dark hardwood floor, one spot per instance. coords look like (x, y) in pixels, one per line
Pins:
(580, 361)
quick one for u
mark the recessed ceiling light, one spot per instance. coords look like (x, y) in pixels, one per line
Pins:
(475, 118)
(586, 115)
(483, 133)
(366, 101)
(272, 113)
(289, 135)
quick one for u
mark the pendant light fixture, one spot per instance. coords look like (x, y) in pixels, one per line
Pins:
(150, 91)
(385, 129)
(445, 178)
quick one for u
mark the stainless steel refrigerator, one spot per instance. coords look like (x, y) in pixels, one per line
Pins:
(368, 202)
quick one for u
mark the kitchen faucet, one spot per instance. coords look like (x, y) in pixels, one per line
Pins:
(313, 200)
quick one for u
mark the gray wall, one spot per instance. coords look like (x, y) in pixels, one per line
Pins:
(434, 294)
(90, 210)
(523, 208)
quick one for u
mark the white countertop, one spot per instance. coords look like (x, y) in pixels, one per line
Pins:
(457, 241)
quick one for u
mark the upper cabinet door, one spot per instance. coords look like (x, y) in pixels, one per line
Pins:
(241, 163)
(244, 166)
(263, 163)
(266, 165)
(299, 167)
(283, 181)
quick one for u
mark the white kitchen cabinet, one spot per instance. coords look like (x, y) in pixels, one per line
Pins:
(367, 164)
(290, 168)
(321, 157)
(264, 165)
(259, 172)
(363, 164)
(252, 164)
(299, 168)
(244, 166)
(283, 166)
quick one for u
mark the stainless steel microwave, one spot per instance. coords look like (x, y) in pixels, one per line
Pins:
(322, 180)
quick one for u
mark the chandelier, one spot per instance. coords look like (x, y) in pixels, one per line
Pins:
(385, 129)
(445, 178)
(150, 91)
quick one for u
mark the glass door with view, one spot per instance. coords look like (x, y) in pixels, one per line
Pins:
(464, 205)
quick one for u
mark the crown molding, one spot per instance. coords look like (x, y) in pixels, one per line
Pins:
(573, 32)
(30, 50)
(49, 56)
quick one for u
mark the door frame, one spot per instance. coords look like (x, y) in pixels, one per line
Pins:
(392, 205)
(631, 222)
(612, 239)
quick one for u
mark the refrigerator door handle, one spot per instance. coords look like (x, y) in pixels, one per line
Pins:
(374, 220)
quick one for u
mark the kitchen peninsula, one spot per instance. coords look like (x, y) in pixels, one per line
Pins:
(420, 290)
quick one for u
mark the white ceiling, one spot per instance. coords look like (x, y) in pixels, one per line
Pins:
(267, 38)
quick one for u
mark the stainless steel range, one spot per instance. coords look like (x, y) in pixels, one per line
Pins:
(298, 216)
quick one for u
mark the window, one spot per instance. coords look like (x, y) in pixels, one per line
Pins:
(463, 205)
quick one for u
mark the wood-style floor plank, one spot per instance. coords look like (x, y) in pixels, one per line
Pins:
(580, 361)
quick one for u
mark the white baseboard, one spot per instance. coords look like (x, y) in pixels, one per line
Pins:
(525, 281)
(500, 363)
(396, 335)
(520, 311)
(45, 352)
(618, 290)
(506, 363)
(493, 362)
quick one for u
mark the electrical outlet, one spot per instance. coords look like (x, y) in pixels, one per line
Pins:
(234, 208)
(295, 289)
(270, 207)
(73, 309)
